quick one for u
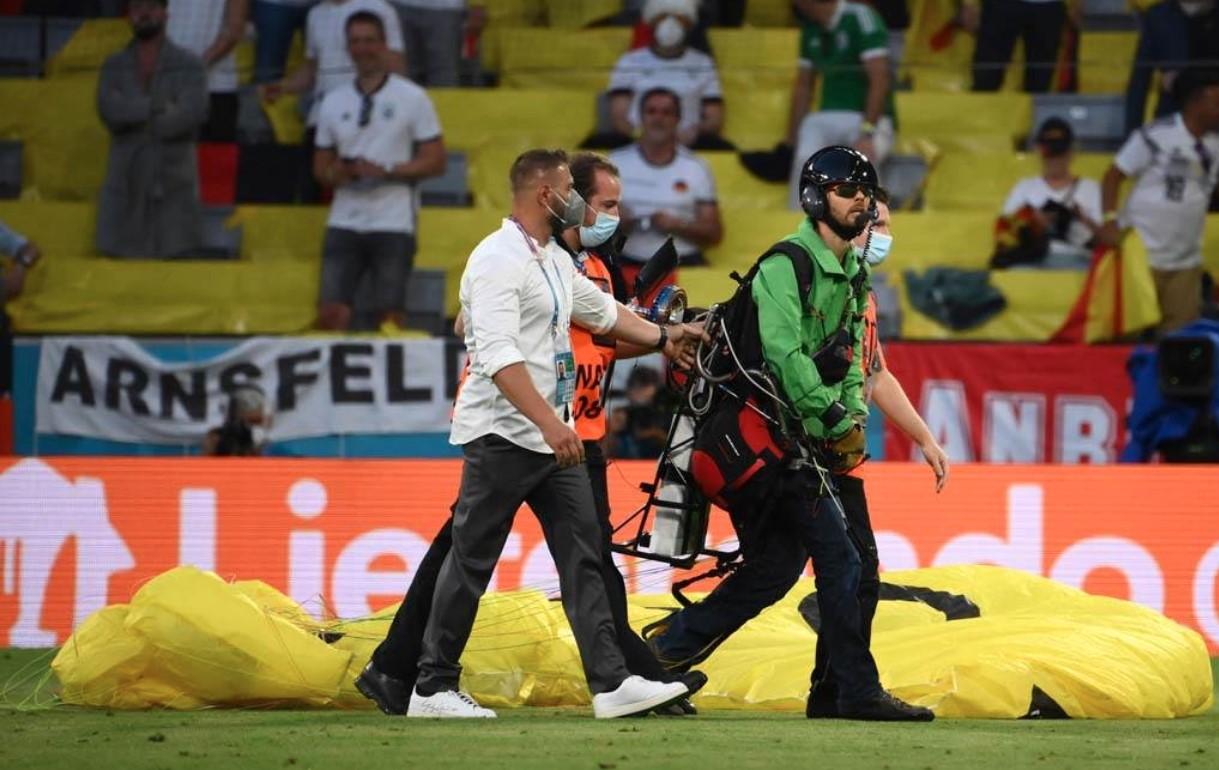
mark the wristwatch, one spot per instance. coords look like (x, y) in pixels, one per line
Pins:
(664, 337)
(867, 128)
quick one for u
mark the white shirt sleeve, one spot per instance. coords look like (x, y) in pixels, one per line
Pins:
(623, 77)
(1135, 155)
(326, 138)
(591, 308)
(704, 185)
(1016, 198)
(494, 313)
(711, 87)
(313, 46)
(1088, 199)
(425, 124)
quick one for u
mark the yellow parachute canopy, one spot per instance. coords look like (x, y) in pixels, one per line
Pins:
(190, 640)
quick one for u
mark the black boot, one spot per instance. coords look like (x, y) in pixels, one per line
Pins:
(391, 695)
(822, 702)
(694, 681)
(884, 708)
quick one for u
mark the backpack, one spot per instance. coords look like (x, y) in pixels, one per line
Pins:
(746, 434)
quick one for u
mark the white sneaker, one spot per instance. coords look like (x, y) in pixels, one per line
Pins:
(447, 704)
(635, 696)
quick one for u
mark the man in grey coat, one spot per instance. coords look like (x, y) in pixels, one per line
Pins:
(153, 97)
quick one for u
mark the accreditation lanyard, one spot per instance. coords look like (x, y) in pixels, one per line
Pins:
(564, 361)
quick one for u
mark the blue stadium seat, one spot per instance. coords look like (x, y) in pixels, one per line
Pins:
(450, 189)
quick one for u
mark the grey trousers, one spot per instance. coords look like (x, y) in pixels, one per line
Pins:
(433, 44)
(496, 478)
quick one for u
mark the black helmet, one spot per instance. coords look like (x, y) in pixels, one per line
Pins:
(837, 164)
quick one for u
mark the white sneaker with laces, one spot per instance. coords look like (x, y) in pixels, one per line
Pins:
(636, 695)
(447, 704)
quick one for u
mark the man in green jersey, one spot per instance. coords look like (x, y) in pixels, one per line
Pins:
(847, 44)
(812, 346)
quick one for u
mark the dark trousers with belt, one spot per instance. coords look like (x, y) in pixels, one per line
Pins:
(497, 477)
(777, 538)
(398, 655)
(1039, 25)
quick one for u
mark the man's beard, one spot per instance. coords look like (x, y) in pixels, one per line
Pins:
(148, 30)
(847, 232)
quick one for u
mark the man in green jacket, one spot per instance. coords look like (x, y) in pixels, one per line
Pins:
(813, 350)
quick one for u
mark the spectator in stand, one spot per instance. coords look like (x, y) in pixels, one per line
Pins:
(275, 24)
(1174, 163)
(1171, 34)
(848, 44)
(668, 191)
(1067, 206)
(152, 96)
(378, 136)
(433, 32)
(669, 62)
(327, 63)
(24, 253)
(211, 29)
(999, 23)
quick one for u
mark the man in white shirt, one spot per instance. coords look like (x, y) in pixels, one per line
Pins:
(1068, 205)
(670, 63)
(327, 62)
(668, 191)
(1174, 162)
(519, 294)
(377, 137)
(211, 29)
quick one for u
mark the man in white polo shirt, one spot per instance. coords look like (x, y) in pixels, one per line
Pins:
(1174, 162)
(667, 190)
(520, 293)
(378, 136)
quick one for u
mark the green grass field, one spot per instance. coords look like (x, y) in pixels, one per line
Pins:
(49, 738)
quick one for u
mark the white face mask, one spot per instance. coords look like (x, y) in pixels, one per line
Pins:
(878, 248)
(669, 33)
(1196, 7)
(600, 231)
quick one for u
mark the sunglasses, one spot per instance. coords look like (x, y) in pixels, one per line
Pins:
(849, 191)
(366, 105)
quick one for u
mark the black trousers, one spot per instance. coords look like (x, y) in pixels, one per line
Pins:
(221, 125)
(398, 655)
(1039, 25)
(776, 545)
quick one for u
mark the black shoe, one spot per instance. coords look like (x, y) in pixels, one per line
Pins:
(694, 681)
(681, 707)
(885, 708)
(391, 695)
(822, 702)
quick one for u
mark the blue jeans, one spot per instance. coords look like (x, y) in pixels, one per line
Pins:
(275, 24)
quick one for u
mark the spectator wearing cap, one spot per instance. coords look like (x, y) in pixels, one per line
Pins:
(1068, 206)
(847, 44)
(671, 63)
(667, 190)
(211, 29)
(1171, 34)
(152, 97)
(1174, 164)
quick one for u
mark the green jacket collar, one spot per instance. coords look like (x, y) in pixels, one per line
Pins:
(807, 236)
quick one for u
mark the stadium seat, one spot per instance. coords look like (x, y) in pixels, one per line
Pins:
(1105, 60)
(769, 13)
(756, 58)
(966, 121)
(10, 169)
(65, 143)
(450, 189)
(471, 118)
(221, 234)
(425, 295)
(739, 189)
(706, 286)
(20, 46)
(755, 119)
(904, 177)
(928, 239)
(578, 60)
(1210, 245)
(1099, 121)
(747, 233)
(89, 47)
(982, 181)
(574, 14)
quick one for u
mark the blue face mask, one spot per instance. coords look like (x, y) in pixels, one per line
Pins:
(600, 231)
(878, 248)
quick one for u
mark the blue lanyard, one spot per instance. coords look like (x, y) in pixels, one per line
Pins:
(554, 295)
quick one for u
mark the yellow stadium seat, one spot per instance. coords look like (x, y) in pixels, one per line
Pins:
(769, 13)
(964, 120)
(755, 119)
(446, 238)
(706, 286)
(747, 233)
(981, 181)
(89, 48)
(929, 239)
(755, 58)
(502, 14)
(471, 118)
(540, 57)
(1105, 59)
(573, 14)
(1210, 245)
(739, 189)
(64, 153)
